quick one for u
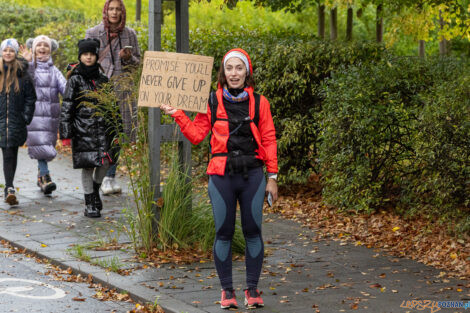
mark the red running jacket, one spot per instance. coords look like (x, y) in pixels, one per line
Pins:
(264, 134)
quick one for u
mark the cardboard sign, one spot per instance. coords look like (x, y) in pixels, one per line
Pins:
(178, 79)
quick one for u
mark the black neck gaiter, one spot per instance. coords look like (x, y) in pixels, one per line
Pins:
(89, 72)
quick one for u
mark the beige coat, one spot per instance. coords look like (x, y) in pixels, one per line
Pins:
(127, 37)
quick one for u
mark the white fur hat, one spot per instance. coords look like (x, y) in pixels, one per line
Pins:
(33, 42)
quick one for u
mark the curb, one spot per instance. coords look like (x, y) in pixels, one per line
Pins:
(108, 279)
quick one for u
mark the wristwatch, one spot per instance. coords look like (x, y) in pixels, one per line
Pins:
(272, 176)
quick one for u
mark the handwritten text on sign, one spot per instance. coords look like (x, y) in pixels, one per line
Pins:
(177, 79)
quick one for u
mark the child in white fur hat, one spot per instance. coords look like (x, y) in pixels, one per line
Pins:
(48, 82)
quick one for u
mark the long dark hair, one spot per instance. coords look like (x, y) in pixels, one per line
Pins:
(9, 76)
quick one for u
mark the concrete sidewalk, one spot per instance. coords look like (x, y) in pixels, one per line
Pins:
(300, 274)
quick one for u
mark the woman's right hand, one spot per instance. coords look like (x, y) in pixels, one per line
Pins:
(168, 109)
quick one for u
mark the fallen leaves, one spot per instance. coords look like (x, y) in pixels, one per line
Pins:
(175, 256)
(149, 308)
(78, 299)
(375, 286)
(416, 238)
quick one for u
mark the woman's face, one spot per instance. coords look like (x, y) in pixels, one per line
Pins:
(88, 58)
(235, 73)
(8, 55)
(114, 12)
(42, 49)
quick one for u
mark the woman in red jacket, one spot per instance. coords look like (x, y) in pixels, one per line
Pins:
(243, 140)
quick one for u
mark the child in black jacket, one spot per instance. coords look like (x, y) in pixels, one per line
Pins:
(91, 135)
(17, 104)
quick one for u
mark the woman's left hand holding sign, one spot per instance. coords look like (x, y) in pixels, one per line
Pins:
(168, 109)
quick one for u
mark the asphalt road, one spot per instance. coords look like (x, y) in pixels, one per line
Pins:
(24, 287)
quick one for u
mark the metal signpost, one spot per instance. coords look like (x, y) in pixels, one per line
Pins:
(159, 133)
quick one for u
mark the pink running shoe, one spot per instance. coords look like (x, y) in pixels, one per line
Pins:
(228, 299)
(253, 298)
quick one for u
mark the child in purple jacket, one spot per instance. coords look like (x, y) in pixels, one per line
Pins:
(48, 82)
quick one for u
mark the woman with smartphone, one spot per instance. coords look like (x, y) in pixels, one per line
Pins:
(119, 51)
(243, 141)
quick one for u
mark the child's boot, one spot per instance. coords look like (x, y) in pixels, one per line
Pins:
(46, 184)
(10, 196)
(97, 199)
(90, 209)
(106, 187)
(115, 186)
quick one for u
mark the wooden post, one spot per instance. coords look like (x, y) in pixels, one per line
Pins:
(421, 49)
(182, 45)
(154, 127)
(349, 24)
(443, 42)
(138, 9)
(379, 23)
(182, 26)
(334, 24)
(321, 21)
(166, 133)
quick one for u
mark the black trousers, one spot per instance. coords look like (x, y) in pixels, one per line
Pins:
(10, 159)
(225, 191)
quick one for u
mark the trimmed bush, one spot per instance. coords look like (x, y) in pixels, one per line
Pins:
(395, 134)
(442, 146)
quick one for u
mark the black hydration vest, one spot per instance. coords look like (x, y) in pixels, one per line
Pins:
(237, 161)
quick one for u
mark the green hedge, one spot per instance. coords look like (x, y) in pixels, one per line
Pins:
(442, 147)
(291, 77)
(20, 22)
(396, 133)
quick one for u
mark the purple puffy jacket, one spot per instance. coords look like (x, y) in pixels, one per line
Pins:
(42, 132)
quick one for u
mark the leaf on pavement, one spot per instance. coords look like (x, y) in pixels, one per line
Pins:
(78, 299)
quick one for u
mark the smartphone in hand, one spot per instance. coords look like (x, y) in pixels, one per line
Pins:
(128, 47)
(269, 199)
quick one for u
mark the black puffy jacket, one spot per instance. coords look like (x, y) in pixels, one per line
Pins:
(91, 134)
(17, 111)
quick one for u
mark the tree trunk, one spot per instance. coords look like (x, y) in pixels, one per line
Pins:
(138, 9)
(349, 24)
(321, 21)
(379, 23)
(334, 24)
(443, 43)
(421, 49)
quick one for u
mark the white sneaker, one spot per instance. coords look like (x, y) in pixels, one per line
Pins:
(106, 187)
(115, 186)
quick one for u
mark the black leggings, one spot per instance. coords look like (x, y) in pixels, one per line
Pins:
(225, 191)
(10, 159)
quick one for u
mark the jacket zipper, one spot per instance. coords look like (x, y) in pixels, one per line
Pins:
(8, 100)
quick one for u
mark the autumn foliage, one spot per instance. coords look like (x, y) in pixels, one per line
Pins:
(415, 238)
